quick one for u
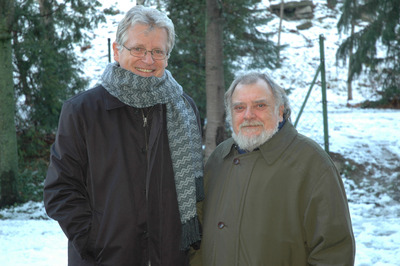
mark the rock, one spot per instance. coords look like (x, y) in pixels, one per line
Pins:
(304, 26)
(294, 10)
(304, 12)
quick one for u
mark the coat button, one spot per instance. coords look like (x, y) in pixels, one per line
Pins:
(221, 225)
(236, 161)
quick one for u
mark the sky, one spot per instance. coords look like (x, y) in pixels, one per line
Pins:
(366, 137)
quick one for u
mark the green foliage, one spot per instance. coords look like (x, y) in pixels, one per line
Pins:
(245, 46)
(31, 179)
(187, 61)
(33, 153)
(8, 141)
(33, 144)
(47, 70)
(350, 13)
(382, 29)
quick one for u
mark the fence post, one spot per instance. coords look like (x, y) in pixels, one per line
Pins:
(324, 100)
(109, 50)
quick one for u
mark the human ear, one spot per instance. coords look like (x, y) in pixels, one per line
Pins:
(116, 51)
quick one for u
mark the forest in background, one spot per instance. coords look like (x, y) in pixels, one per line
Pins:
(41, 69)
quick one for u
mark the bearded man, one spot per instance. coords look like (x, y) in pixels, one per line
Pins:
(272, 195)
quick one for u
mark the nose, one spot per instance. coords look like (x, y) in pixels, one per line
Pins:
(148, 58)
(248, 113)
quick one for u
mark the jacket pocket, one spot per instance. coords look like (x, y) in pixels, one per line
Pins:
(93, 248)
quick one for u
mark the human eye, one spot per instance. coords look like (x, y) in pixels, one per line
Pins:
(238, 108)
(158, 52)
(260, 106)
(137, 49)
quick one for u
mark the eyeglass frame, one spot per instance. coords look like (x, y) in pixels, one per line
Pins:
(145, 53)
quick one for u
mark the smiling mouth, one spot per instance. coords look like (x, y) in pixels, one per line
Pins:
(250, 125)
(145, 70)
(250, 128)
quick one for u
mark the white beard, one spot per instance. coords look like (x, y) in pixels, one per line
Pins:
(250, 143)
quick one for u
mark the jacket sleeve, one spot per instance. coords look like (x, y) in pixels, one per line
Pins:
(327, 222)
(65, 196)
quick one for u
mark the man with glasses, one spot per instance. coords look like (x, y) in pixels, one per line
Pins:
(126, 167)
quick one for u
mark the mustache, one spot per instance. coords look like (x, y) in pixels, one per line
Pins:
(250, 123)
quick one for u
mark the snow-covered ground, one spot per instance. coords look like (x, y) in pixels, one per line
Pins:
(367, 138)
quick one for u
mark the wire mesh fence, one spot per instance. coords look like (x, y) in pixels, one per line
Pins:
(309, 108)
(310, 123)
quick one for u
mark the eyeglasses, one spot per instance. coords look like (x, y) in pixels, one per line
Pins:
(156, 54)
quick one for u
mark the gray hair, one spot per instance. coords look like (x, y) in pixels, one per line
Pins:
(250, 78)
(145, 16)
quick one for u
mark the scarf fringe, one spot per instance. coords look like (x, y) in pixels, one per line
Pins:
(191, 230)
(191, 234)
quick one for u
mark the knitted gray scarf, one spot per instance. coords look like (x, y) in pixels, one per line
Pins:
(184, 138)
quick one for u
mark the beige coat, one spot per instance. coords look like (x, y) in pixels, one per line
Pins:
(284, 204)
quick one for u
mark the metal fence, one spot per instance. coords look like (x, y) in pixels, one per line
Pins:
(314, 107)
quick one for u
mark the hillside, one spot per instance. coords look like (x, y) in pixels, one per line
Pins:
(363, 142)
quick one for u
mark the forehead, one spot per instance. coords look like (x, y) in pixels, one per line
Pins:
(142, 34)
(254, 92)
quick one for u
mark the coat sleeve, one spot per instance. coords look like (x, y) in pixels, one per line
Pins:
(327, 222)
(65, 196)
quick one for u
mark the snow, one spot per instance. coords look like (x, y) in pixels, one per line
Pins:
(367, 137)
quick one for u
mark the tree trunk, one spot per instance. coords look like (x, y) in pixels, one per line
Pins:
(8, 138)
(349, 83)
(215, 127)
(332, 3)
(279, 32)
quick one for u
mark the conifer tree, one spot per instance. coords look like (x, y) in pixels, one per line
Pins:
(8, 140)
(187, 61)
(350, 16)
(47, 70)
(244, 45)
(382, 29)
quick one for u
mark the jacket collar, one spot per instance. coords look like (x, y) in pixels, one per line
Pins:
(227, 146)
(273, 148)
(111, 102)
